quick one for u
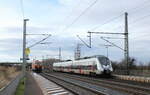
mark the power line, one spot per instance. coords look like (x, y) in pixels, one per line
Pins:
(22, 8)
(133, 22)
(112, 19)
(113, 38)
(89, 46)
(135, 9)
(83, 12)
(75, 6)
(112, 43)
(38, 34)
(39, 41)
(140, 18)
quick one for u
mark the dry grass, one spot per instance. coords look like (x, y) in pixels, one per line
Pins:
(7, 74)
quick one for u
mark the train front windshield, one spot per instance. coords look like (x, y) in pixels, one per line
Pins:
(104, 60)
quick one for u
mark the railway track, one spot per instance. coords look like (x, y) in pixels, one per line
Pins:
(113, 85)
(74, 87)
(133, 89)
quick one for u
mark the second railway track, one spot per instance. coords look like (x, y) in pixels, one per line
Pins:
(75, 88)
(119, 87)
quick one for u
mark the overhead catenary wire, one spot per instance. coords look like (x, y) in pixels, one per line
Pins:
(108, 21)
(22, 8)
(38, 34)
(133, 22)
(112, 43)
(39, 42)
(84, 42)
(69, 15)
(114, 18)
(82, 13)
(138, 7)
(140, 18)
(113, 37)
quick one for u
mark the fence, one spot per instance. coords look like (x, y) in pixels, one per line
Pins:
(144, 73)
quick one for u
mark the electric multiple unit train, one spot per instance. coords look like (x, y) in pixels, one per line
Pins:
(36, 66)
(96, 65)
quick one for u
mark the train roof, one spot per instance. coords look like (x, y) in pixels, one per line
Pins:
(81, 60)
(95, 56)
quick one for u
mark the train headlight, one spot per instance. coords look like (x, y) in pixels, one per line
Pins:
(106, 67)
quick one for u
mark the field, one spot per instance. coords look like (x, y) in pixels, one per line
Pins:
(7, 74)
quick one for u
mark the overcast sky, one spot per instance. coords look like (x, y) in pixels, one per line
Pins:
(55, 17)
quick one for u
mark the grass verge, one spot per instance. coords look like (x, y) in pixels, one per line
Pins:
(21, 87)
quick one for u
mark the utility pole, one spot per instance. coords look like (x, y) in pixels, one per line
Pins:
(77, 54)
(60, 53)
(24, 46)
(126, 44)
(106, 46)
(90, 39)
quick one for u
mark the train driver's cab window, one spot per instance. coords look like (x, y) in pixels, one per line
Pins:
(104, 60)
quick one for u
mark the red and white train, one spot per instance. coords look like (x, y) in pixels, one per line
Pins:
(36, 66)
(89, 65)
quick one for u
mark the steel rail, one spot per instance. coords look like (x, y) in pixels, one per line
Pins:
(136, 90)
(97, 92)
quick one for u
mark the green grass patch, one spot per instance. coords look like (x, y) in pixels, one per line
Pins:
(21, 87)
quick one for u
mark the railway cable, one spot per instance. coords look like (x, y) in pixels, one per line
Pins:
(82, 13)
(133, 10)
(68, 16)
(138, 7)
(108, 21)
(22, 8)
(134, 21)
(39, 41)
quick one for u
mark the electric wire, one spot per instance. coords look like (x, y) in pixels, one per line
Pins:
(22, 8)
(140, 18)
(114, 18)
(39, 42)
(138, 7)
(82, 13)
(131, 23)
(68, 16)
(108, 21)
